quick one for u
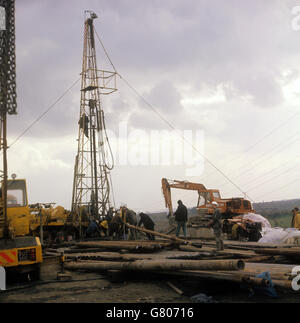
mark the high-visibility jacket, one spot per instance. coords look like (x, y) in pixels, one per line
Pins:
(297, 221)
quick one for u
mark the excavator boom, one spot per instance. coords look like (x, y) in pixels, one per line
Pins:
(168, 184)
(232, 206)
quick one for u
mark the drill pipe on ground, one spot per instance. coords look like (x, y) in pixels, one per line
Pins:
(222, 276)
(128, 245)
(165, 236)
(106, 256)
(89, 250)
(287, 252)
(155, 265)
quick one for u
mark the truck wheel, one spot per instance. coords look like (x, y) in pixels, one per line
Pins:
(35, 274)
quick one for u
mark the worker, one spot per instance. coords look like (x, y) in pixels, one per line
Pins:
(181, 217)
(148, 224)
(216, 224)
(92, 229)
(115, 226)
(296, 219)
(110, 214)
(294, 212)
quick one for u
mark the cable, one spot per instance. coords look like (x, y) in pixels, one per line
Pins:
(104, 124)
(43, 114)
(265, 174)
(182, 137)
(166, 121)
(105, 51)
(112, 191)
(280, 188)
(270, 180)
(285, 146)
(109, 146)
(260, 140)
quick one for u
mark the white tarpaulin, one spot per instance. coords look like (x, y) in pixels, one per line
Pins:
(281, 236)
(258, 218)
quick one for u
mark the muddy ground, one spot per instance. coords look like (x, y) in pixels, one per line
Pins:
(135, 288)
(115, 288)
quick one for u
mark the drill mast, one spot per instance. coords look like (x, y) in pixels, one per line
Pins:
(91, 185)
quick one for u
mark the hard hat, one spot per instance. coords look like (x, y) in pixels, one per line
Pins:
(215, 203)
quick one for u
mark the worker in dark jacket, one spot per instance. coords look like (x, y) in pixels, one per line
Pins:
(216, 224)
(148, 224)
(181, 217)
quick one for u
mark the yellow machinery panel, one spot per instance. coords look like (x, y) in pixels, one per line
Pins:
(20, 252)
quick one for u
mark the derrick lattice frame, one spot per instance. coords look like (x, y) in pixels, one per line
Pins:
(91, 187)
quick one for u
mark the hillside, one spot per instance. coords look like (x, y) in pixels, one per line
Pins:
(277, 212)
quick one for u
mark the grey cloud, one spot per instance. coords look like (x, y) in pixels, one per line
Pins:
(165, 97)
(192, 42)
(263, 88)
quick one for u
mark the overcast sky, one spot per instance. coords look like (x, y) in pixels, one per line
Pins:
(225, 72)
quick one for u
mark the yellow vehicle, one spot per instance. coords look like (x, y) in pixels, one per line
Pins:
(51, 220)
(56, 224)
(19, 251)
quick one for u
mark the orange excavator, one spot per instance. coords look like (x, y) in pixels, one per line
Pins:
(198, 224)
(228, 207)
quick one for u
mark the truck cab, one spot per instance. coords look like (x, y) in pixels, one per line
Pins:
(21, 251)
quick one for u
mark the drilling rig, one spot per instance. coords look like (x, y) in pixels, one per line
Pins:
(92, 186)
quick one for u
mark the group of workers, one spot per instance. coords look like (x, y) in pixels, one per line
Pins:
(114, 223)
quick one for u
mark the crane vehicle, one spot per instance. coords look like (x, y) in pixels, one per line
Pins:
(19, 250)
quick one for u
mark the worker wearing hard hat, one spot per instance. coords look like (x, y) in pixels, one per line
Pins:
(216, 224)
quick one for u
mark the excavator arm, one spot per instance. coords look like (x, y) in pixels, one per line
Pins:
(168, 184)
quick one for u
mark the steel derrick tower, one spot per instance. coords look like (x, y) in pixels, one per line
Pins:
(92, 182)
